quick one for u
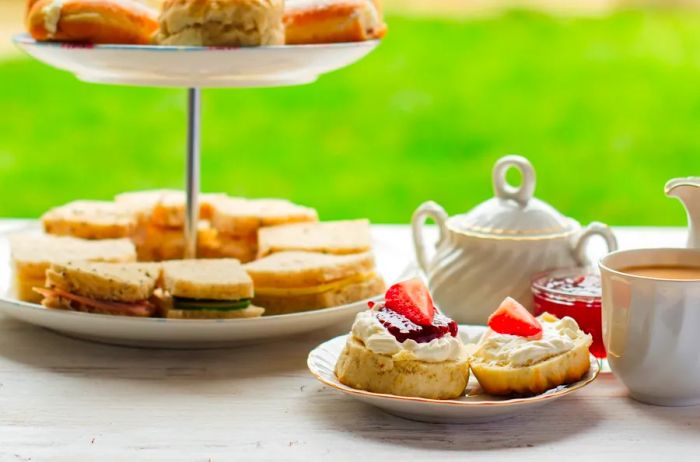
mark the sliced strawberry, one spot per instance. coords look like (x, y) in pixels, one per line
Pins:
(412, 299)
(514, 319)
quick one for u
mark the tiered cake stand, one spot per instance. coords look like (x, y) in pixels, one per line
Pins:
(195, 68)
(192, 68)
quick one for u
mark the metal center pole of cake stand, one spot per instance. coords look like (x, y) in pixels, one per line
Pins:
(192, 171)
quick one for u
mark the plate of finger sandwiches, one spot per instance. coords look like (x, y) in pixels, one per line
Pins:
(113, 271)
(204, 43)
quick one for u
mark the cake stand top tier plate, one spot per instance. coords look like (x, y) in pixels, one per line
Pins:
(192, 66)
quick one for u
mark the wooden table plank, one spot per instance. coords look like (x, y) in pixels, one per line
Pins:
(65, 399)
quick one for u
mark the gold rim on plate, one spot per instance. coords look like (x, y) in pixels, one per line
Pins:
(547, 395)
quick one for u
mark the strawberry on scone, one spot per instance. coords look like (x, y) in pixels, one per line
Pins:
(523, 354)
(405, 347)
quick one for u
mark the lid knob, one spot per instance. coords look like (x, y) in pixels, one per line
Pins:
(521, 194)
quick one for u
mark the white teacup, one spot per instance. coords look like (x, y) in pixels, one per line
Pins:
(651, 326)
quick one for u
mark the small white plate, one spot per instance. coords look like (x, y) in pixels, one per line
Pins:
(474, 407)
(163, 333)
(191, 66)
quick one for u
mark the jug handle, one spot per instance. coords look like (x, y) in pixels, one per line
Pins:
(427, 210)
(594, 229)
(503, 190)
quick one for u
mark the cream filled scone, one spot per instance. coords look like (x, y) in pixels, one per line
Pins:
(521, 354)
(405, 347)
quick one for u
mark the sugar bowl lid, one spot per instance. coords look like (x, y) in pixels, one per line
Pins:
(514, 212)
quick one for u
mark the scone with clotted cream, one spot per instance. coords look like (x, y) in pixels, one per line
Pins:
(521, 354)
(404, 347)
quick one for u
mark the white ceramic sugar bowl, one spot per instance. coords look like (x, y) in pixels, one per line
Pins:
(494, 250)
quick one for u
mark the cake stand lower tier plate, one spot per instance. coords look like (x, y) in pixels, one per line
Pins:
(189, 66)
(161, 332)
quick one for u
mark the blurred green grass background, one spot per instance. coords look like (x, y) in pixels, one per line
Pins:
(607, 109)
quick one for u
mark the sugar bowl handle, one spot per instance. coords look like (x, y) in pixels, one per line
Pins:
(580, 243)
(521, 194)
(427, 210)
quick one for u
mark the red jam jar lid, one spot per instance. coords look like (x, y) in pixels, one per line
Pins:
(580, 283)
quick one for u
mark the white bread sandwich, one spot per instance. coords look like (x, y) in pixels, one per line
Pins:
(237, 222)
(243, 217)
(33, 254)
(206, 288)
(287, 282)
(90, 220)
(336, 237)
(123, 289)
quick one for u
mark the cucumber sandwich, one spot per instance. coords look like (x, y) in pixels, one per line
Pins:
(204, 289)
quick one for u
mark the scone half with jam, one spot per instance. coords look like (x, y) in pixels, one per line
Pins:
(405, 347)
(521, 354)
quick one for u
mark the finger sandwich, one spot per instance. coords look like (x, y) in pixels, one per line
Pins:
(159, 234)
(154, 243)
(90, 220)
(287, 282)
(123, 289)
(206, 288)
(33, 254)
(237, 222)
(165, 208)
(336, 237)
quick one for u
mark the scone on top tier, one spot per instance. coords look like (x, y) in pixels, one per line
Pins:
(221, 22)
(92, 21)
(329, 21)
(507, 361)
(404, 347)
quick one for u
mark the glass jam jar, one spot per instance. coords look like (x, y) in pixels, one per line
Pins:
(572, 292)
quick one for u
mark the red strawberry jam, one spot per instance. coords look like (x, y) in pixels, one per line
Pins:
(403, 328)
(572, 292)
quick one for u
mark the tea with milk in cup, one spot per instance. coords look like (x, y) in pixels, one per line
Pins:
(664, 272)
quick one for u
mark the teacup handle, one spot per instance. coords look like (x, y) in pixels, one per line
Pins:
(581, 241)
(503, 190)
(427, 210)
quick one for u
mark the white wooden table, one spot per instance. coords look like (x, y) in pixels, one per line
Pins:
(68, 400)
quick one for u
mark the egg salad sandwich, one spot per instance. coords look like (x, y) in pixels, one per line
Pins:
(90, 220)
(123, 289)
(336, 237)
(165, 208)
(32, 254)
(160, 228)
(154, 243)
(287, 282)
(206, 288)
